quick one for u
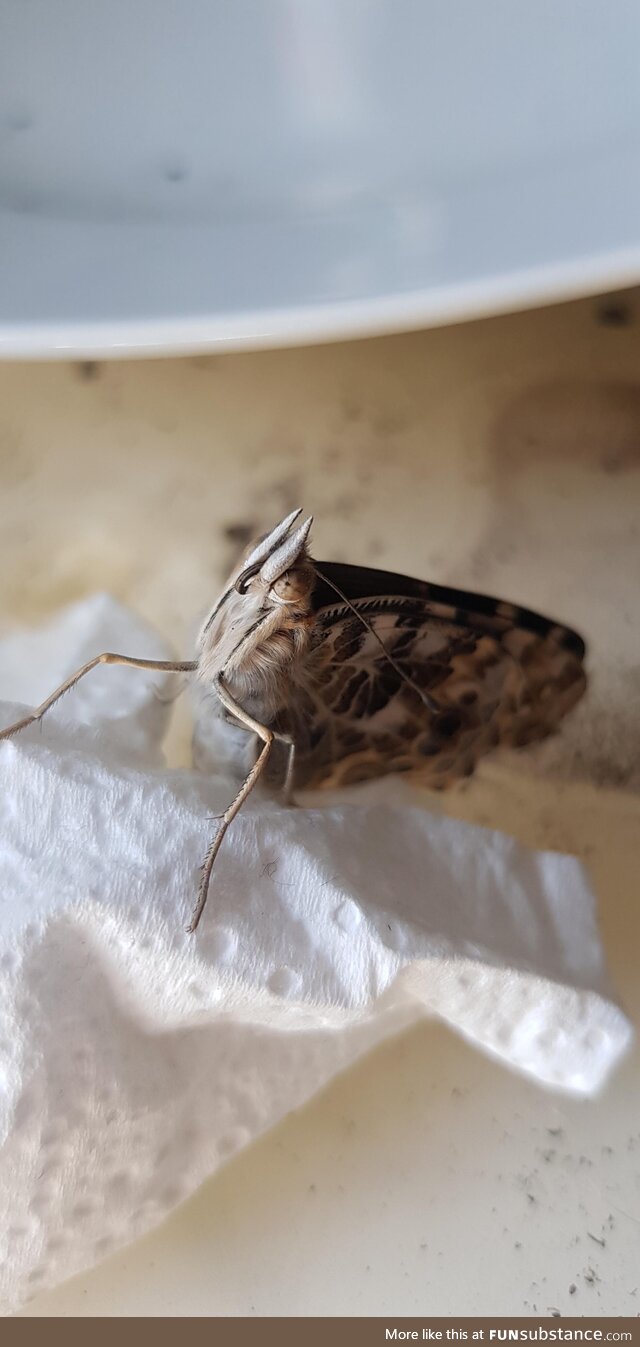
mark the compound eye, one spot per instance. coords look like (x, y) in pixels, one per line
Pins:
(291, 587)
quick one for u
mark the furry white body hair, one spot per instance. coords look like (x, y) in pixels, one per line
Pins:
(257, 636)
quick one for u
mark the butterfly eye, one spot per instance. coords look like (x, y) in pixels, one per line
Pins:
(290, 587)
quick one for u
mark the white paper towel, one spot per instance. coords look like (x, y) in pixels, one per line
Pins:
(135, 1059)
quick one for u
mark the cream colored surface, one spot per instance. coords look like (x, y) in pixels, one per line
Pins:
(503, 455)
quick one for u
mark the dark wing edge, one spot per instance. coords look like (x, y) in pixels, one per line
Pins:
(469, 609)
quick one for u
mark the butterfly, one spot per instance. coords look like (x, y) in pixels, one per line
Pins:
(359, 673)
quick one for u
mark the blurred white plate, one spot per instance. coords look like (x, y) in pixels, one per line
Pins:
(217, 173)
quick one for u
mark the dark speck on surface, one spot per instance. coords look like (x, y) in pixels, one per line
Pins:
(88, 370)
(572, 1289)
(240, 534)
(175, 172)
(614, 312)
(18, 121)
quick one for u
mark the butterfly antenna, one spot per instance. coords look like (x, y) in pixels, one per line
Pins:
(427, 701)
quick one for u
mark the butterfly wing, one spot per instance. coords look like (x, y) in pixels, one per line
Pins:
(498, 674)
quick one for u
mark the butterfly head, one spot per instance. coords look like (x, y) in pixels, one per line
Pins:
(262, 621)
(278, 568)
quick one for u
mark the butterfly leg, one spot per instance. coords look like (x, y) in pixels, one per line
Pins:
(287, 789)
(267, 736)
(165, 666)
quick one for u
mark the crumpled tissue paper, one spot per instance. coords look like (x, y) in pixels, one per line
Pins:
(134, 1058)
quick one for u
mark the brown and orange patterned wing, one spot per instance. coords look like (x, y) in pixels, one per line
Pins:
(500, 675)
